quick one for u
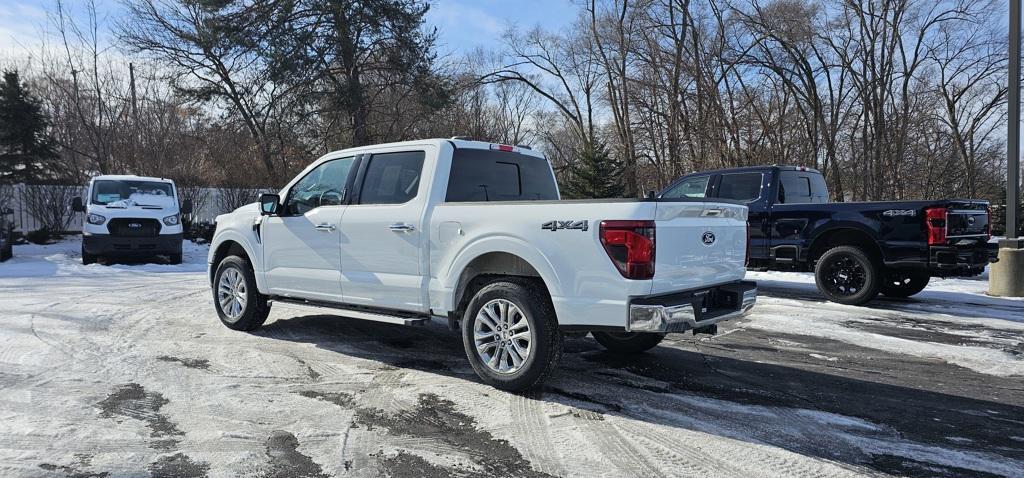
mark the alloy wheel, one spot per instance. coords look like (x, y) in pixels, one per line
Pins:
(502, 336)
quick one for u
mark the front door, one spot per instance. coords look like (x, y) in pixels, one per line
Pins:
(301, 249)
(382, 234)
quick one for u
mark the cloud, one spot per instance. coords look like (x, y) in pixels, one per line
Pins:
(462, 26)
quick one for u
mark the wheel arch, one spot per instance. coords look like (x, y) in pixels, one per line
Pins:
(228, 247)
(475, 266)
(844, 236)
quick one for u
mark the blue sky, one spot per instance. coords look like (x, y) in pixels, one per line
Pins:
(462, 24)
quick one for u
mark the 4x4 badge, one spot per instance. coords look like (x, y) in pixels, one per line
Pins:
(558, 225)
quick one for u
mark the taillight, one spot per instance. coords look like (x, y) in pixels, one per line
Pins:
(630, 246)
(935, 221)
(503, 147)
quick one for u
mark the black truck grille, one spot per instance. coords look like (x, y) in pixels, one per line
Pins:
(128, 227)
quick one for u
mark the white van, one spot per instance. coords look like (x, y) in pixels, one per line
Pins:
(131, 217)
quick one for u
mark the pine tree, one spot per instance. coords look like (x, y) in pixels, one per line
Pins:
(595, 175)
(26, 149)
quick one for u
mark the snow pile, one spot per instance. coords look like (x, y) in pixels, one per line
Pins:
(64, 258)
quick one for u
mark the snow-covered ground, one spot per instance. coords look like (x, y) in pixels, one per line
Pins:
(124, 369)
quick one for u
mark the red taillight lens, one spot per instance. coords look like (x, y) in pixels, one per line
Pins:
(935, 221)
(503, 147)
(630, 246)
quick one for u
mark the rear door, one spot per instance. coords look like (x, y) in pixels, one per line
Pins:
(382, 233)
(301, 245)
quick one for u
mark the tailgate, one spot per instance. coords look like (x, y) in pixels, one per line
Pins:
(698, 244)
(967, 219)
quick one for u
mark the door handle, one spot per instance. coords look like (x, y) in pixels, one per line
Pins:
(402, 227)
(325, 227)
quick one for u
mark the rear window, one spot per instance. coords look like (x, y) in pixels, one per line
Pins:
(800, 187)
(485, 175)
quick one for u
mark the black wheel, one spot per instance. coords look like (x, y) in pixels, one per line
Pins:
(511, 334)
(239, 304)
(904, 284)
(848, 275)
(174, 258)
(87, 258)
(628, 342)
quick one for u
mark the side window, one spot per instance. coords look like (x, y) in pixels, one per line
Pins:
(323, 186)
(794, 188)
(392, 178)
(694, 187)
(740, 186)
(801, 187)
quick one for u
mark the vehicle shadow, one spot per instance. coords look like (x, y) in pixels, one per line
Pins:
(841, 419)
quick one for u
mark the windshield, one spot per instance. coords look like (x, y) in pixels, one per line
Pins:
(124, 193)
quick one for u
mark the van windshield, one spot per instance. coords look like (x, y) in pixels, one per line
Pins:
(125, 193)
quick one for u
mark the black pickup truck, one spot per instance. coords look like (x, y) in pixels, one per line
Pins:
(856, 249)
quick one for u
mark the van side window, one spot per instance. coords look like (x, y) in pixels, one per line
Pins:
(695, 187)
(392, 178)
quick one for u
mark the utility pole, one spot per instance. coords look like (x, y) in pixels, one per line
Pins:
(1013, 133)
(1006, 277)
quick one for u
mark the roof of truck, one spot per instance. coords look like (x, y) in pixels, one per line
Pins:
(756, 168)
(457, 142)
(130, 177)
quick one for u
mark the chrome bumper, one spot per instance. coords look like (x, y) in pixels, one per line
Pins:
(680, 317)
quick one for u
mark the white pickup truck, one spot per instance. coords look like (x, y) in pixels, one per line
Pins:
(474, 233)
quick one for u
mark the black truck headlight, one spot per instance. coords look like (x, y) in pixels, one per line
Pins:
(95, 219)
(171, 220)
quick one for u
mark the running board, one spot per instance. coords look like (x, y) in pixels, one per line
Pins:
(344, 310)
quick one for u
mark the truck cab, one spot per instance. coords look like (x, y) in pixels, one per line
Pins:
(131, 217)
(856, 249)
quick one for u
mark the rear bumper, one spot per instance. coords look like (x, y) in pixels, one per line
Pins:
(108, 245)
(951, 261)
(692, 309)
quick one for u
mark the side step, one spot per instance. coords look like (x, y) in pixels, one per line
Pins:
(344, 310)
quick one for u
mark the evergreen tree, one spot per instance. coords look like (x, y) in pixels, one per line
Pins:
(594, 175)
(26, 148)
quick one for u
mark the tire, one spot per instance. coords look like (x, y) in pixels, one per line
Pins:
(237, 275)
(848, 275)
(87, 258)
(903, 284)
(174, 259)
(628, 342)
(544, 344)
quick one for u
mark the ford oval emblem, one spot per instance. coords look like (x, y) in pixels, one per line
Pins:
(134, 225)
(708, 238)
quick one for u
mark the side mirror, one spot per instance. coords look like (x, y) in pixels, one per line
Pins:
(269, 204)
(186, 206)
(76, 205)
(652, 195)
